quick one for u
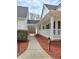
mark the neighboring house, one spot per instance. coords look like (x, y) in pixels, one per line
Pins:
(34, 16)
(22, 16)
(50, 23)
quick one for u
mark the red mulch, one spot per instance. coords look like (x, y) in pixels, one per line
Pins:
(21, 47)
(55, 47)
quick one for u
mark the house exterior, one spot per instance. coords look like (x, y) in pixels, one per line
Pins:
(22, 16)
(33, 16)
(50, 22)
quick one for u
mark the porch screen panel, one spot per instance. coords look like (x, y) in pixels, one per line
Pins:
(47, 26)
(54, 28)
(54, 25)
(59, 27)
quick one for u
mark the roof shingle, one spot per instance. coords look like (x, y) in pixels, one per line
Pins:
(32, 21)
(54, 7)
(22, 11)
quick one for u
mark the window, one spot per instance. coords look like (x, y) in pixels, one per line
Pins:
(39, 27)
(47, 26)
(54, 25)
(43, 27)
(59, 25)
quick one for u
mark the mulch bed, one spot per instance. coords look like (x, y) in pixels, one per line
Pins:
(21, 47)
(55, 46)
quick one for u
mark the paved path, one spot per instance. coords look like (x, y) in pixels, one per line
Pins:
(34, 51)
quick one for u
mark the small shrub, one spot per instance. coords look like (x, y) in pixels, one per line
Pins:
(22, 35)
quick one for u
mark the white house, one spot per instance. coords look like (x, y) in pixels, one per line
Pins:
(50, 23)
(22, 16)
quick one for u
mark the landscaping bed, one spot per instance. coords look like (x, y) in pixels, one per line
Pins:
(21, 47)
(55, 46)
(22, 41)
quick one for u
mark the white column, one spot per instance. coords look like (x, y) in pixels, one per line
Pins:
(51, 28)
(56, 25)
(26, 24)
(36, 29)
(41, 26)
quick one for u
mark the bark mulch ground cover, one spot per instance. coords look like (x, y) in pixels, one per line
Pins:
(55, 46)
(21, 47)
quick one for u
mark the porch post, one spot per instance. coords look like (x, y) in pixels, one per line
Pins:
(36, 29)
(41, 26)
(51, 28)
(56, 25)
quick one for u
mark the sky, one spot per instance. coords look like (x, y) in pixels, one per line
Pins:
(35, 6)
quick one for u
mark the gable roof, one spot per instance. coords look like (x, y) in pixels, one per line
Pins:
(32, 21)
(50, 7)
(54, 7)
(59, 5)
(22, 11)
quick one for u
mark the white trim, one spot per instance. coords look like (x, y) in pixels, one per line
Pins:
(51, 29)
(36, 30)
(46, 33)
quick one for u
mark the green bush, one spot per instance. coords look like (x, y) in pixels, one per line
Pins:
(22, 35)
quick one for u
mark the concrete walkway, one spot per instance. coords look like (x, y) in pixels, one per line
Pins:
(34, 51)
